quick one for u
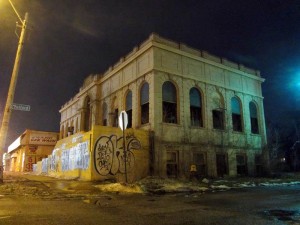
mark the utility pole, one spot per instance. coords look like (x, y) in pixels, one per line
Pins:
(11, 91)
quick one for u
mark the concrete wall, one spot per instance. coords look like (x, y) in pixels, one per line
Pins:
(99, 155)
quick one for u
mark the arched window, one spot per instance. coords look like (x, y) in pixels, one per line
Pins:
(236, 115)
(144, 101)
(87, 114)
(195, 108)
(218, 111)
(115, 113)
(253, 118)
(169, 102)
(129, 108)
(104, 114)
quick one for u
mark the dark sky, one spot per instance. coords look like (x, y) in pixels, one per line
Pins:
(71, 39)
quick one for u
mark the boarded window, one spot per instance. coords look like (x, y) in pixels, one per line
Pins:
(129, 108)
(195, 108)
(144, 103)
(169, 102)
(236, 114)
(253, 118)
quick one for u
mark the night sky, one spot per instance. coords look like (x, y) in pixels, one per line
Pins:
(68, 40)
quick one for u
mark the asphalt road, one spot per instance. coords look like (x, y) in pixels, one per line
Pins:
(259, 205)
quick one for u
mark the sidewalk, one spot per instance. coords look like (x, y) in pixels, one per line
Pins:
(30, 184)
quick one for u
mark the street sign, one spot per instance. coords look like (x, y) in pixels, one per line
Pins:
(123, 120)
(20, 107)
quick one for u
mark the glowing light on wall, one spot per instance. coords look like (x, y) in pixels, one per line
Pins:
(15, 144)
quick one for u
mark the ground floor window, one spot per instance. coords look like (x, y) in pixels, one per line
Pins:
(241, 164)
(221, 160)
(172, 164)
(199, 160)
(258, 165)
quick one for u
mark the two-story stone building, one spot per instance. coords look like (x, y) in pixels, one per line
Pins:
(200, 109)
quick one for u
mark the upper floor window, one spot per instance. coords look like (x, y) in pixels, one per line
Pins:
(236, 114)
(218, 112)
(87, 114)
(129, 108)
(104, 114)
(144, 101)
(195, 108)
(169, 104)
(253, 118)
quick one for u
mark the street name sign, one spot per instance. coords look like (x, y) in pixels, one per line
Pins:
(20, 107)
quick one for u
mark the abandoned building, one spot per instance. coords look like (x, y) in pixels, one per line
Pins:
(201, 111)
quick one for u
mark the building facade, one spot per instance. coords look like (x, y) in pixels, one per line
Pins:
(31, 147)
(202, 111)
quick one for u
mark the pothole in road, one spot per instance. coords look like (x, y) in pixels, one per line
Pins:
(283, 215)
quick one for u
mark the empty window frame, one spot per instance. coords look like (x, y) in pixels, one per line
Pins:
(253, 118)
(258, 165)
(199, 159)
(195, 108)
(236, 115)
(218, 119)
(87, 114)
(129, 108)
(115, 118)
(104, 114)
(172, 164)
(241, 164)
(169, 104)
(144, 103)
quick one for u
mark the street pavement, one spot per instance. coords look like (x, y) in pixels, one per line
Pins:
(30, 199)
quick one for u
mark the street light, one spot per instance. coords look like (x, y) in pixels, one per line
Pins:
(12, 86)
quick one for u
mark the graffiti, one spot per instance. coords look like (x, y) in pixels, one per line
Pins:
(77, 157)
(45, 165)
(110, 157)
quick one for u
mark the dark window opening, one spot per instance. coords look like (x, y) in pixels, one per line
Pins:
(116, 118)
(195, 108)
(241, 165)
(196, 116)
(258, 165)
(221, 165)
(104, 114)
(129, 108)
(236, 115)
(236, 122)
(87, 116)
(144, 103)
(254, 126)
(200, 162)
(253, 118)
(169, 112)
(218, 119)
(145, 113)
(104, 122)
(172, 164)
(129, 114)
(169, 104)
